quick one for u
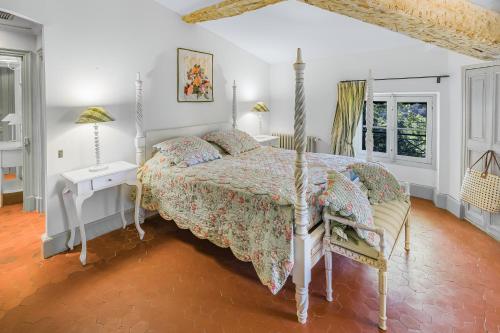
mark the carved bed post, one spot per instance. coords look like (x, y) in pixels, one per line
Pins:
(369, 117)
(235, 106)
(140, 151)
(140, 142)
(302, 252)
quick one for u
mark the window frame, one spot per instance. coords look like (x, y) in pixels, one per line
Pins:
(386, 155)
(391, 155)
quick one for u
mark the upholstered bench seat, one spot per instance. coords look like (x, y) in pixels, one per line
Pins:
(389, 219)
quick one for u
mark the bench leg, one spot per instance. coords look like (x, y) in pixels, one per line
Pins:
(407, 234)
(328, 271)
(382, 289)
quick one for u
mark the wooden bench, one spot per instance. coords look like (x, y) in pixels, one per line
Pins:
(389, 219)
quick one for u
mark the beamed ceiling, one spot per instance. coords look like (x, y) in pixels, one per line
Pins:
(456, 25)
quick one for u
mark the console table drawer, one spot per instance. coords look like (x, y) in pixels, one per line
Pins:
(108, 181)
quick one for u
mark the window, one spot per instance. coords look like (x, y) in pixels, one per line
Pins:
(379, 126)
(402, 127)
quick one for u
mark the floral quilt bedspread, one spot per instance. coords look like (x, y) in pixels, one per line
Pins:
(243, 202)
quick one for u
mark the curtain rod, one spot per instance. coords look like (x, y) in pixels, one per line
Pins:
(437, 77)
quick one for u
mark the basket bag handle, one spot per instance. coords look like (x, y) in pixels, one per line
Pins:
(488, 157)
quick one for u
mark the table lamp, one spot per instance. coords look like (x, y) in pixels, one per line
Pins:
(95, 115)
(260, 107)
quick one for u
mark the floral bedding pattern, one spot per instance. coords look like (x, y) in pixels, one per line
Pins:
(233, 141)
(381, 184)
(343, 197)
(243, 202)
(187, 150)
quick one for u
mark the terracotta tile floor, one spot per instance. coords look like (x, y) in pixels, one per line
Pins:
(173, 282)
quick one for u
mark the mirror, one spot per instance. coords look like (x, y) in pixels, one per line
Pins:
(10, 99)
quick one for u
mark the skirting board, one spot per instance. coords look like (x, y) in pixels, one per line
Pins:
(57, 243)
(440, 200)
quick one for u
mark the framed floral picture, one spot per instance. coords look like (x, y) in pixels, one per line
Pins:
(194, 76)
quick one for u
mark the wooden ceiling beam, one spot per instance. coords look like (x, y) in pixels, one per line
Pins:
(225, 9)
(456, 25)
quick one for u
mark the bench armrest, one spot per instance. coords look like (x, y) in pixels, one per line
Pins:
(379, 231)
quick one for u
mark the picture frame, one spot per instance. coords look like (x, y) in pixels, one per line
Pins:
(195, 76)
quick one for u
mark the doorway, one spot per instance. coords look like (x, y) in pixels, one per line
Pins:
(22, 166)
(11, 147)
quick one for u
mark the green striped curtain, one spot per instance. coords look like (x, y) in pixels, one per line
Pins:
(351, 96)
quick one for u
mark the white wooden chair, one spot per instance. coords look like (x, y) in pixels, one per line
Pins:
(389, 220)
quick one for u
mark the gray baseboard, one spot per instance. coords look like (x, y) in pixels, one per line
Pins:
(29, 204)
(440, 200)
(56, 244)
(455, 207)
(422, 191)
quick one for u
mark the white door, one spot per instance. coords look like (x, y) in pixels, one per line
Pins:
(482, 131)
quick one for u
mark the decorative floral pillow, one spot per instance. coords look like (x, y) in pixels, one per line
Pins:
(381, 184)
(187, 151)
(346, 199)
(233, 141)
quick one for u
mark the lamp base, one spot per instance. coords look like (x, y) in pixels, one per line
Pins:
(98, 167)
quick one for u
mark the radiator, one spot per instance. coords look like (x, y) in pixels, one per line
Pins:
(287, 142)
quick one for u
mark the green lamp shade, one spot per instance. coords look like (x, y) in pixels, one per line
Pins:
(94, 115)
(260, 107)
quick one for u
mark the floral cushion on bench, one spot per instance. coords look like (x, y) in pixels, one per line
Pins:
(381, 184)
(346, 199)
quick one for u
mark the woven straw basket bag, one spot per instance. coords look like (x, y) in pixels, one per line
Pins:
(481, 188)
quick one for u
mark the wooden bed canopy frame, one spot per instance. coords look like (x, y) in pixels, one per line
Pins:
(307, 246)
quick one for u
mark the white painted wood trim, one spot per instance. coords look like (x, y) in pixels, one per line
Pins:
(140, 142)
(235, 107)
(28, 134)
(369, 117)
(302, 252)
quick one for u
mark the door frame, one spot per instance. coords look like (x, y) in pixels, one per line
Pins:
(486, 217)
(29, 138)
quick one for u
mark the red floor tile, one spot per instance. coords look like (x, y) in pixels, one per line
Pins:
(174, 282)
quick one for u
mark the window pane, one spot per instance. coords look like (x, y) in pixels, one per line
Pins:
(412, 129)
(379, 114)
(379, 127)
(379, 139)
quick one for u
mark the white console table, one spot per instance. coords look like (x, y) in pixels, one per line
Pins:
(82, 184)
(11, 156)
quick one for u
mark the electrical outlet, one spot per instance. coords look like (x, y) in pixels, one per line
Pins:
(59, 153)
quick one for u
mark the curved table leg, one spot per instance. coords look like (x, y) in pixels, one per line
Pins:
(79, 200)
(122, 205)
(66, 194)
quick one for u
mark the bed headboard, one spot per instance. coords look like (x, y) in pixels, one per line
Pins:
(156, 136)
(144, 140)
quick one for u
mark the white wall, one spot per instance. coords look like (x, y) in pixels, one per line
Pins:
(92, 51)
(322, 76)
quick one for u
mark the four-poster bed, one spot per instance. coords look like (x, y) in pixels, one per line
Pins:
(298, 238)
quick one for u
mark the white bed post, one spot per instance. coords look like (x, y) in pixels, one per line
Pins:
(235, 106)
(140, 142)
(369, 117)
(302, 252)
(140, 151)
